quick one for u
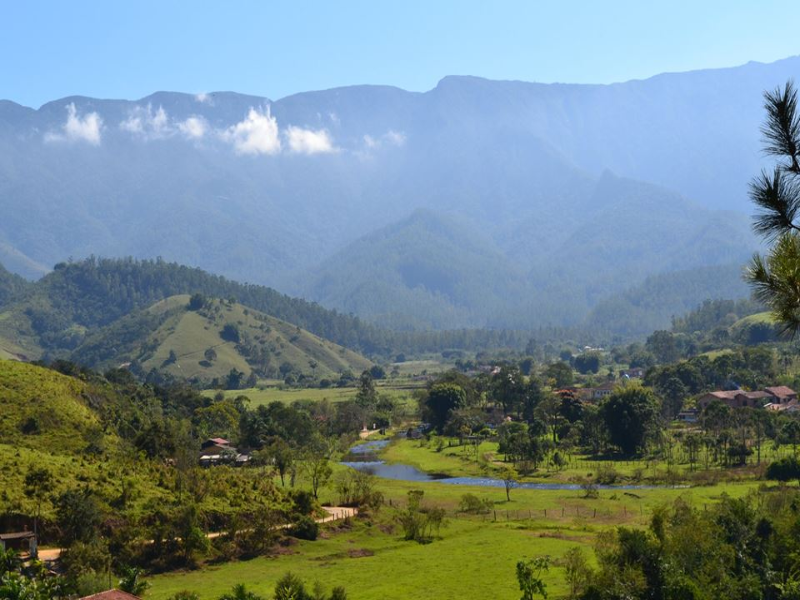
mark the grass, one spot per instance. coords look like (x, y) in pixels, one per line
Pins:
(400, 391)
(51, 401)
(475, 558)
(190, 333)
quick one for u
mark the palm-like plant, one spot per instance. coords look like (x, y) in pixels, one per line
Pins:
(776, 277)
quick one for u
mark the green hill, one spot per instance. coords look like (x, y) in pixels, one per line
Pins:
(206, 343)
(43, 410)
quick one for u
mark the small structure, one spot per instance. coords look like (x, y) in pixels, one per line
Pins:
(632, 373)
(216, 451)
(111, 595)
(687, 416)
(21, 541)
(598, 393)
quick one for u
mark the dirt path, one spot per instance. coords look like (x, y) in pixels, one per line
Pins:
(365, 433)
(335, 513)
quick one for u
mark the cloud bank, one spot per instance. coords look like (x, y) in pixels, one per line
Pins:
(78, 129)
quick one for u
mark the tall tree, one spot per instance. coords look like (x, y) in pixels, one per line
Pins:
(776, 278)
(631, 416)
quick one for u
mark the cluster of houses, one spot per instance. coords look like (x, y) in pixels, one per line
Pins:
(779, 398)
(218, 451)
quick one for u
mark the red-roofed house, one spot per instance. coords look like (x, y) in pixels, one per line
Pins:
(781, 394)
(112, 595)
(735, 399)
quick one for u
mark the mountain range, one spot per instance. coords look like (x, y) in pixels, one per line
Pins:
(476, 204)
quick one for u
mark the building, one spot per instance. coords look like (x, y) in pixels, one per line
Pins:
(22, 541)
(781, 394)
(111, 595)
(736, 399)
(215, 451)
(598, 393)
(632, 373)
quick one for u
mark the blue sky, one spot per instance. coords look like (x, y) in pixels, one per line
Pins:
(130, 49)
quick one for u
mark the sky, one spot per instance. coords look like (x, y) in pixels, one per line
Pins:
(112, 49)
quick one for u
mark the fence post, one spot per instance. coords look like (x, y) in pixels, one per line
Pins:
(495, 516)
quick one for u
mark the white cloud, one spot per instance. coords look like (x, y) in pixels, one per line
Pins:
(78, 129)
(308, 141)
(256, 134)
(390, 138)
(203, 98)
(193, 127)
(147, 123)
(395, 138)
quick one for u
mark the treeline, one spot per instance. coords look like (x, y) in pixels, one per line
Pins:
(77, 298)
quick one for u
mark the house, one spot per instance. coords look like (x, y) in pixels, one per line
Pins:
(219, 442)
(111, 595)
(735, 399)
(599, 392)
(216, 451)
(21, 541)
(781, 394)
(632, 373)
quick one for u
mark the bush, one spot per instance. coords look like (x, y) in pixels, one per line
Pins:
(785, 469)
(472, 504)
(305, 528)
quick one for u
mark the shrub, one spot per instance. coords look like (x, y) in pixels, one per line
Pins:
(785, 469)
(472, 504)
(305, 528)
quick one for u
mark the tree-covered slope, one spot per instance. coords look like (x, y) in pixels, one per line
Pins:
(207, 342)
(430, 270)
(650, 306)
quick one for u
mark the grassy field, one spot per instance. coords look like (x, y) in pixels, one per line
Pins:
(475, 557)
(400, 390)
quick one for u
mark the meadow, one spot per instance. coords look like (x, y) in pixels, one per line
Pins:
(475, 557)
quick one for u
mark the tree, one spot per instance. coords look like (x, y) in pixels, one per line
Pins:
(776, 278)
(510, 479)
(197, 301)
(38, 482)
(316, 465)
(631, 416)
(589, 362)
(240, 592)
(561, 372)
(78, 516)
(282, 455)
(132, 583)
(508, 388)
(662, 345)
(785, 469)
(230, 333)
(529, 577)
(367, 395)
(441, 399)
